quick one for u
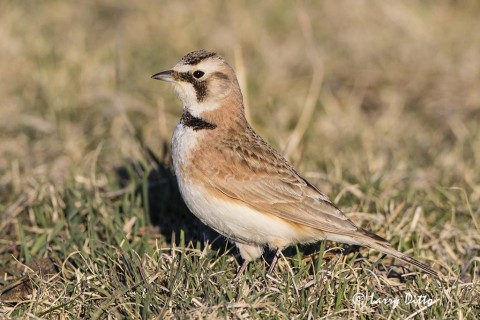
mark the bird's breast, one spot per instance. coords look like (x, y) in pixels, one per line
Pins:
(184, 146)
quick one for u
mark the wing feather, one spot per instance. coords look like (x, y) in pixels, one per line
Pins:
(257, 175)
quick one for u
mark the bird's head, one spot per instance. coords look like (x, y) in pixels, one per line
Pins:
(203, 81)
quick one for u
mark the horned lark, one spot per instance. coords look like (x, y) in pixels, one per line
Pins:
(234, 182)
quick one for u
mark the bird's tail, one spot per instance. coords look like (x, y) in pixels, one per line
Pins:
(368, 239)
(373, 241)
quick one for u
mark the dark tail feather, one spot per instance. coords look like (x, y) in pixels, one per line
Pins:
(378, 243)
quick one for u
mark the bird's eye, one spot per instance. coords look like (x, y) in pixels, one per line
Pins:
(198, 74)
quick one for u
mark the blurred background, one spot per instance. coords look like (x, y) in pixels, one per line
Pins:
(371, 100)
(376, 102)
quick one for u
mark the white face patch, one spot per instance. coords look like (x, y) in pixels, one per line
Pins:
(186, 93)
(209, 65)
(205, 106)
(180, 67)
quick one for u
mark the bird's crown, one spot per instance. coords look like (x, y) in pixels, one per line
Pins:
(195, 57)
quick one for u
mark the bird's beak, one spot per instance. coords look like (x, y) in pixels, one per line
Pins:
(164, 76)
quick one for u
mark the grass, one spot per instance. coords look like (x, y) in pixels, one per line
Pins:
(376, 103)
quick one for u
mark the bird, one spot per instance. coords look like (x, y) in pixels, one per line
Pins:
(236, 183)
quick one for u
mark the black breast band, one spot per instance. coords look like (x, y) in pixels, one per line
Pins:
(195, 123)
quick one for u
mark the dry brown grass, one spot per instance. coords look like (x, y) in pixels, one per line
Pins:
(377, 102)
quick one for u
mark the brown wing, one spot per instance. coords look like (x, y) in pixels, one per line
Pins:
(254, 173)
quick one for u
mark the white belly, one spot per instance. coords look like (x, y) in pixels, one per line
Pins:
(232, 219)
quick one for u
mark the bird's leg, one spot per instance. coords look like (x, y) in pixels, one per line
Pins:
(242, 269)
(248, 252)
(274, 261)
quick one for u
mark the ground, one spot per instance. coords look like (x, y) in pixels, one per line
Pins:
(376, 103)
